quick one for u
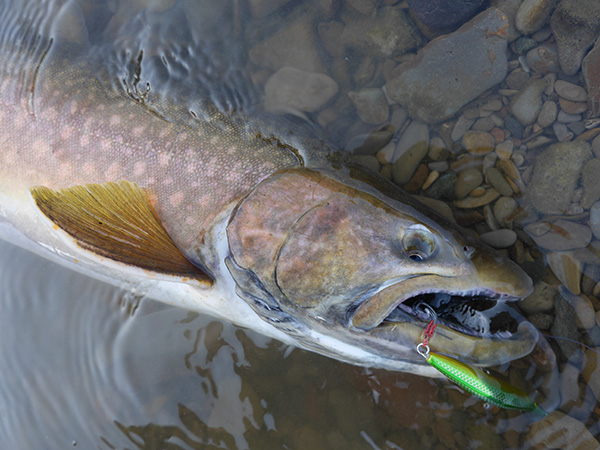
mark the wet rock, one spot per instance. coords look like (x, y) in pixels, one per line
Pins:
(589, 181)
(494, 177)
(499, 238)
(575, 25)
(560, 235)
(389, 33)
(541, 321)
(567, 269)
(504, 210)
(443, 188)
(364, 7)
(543, 59)
(541, 300)
(504, 149)
(547, 114)
(533, 14)
(555, 176)
(293, 45)
(410, 150)
(467, 180)
(462, 125)
(572, 108)
(262, 8)
(591, 75)
(478, 142)
(290, 90)
(367, 161)
(595, 219)
(435, 85)
(489, 196)
(444, 14)
(509, 8)
(371, 143)
(558, 430)
(591, 370)
(438, 151)
(565, 325)
(570, 91)
(527, 103)
(517, 79)
(371, 105)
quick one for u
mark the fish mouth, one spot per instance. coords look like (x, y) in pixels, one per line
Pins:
(475, 325)
(476, 314)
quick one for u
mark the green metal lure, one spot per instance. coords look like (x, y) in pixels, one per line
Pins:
(474, 380)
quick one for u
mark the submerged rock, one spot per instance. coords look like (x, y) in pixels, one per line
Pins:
(444, 14)
(555, 176)
(591, 75)
(454, 69)
(533, 14)
(291, 90)
(576, 26)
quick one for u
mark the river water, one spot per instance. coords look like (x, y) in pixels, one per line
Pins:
(87, 365)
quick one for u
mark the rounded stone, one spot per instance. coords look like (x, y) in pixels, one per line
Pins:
(527, 103)
(478, 142)
(290, 89)
(499, 238)
(561, 235)
(371, 105)
(595, 219)
(543, 59)
(467, 180)
(547, 114)
(494, 177)
(444, 13)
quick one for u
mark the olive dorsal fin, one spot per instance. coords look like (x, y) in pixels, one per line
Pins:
(115, 220)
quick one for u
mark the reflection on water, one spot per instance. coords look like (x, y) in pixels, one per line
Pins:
(89, 366)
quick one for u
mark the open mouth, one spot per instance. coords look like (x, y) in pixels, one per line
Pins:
(479, 315)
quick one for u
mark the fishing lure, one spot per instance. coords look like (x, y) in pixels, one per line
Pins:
(474, 380)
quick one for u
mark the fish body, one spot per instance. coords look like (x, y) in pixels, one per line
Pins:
(272, 232)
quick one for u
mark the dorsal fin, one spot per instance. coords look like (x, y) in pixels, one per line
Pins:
(116, 220)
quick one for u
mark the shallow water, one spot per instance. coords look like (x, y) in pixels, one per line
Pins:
(86, 365)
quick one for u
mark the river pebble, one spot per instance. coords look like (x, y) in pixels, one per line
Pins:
(527, 103)
(467, 180)
(541, 300)
(547, 114)
(575, 25)
(595, 219)
(470, 201)
(443, 14)
(443, 188)
(567, 269)
(410, 150)
(494, 177)
(478, 142)
(389, 32)
(560, 235)
(499, 238)
(290, 89)
(558, 430)
(294, 45)
(532, 14)
(590, 183)
(555, 176)
(504, 210)
(435, 85)
(591, 370)
(591, 76)
(371, 105)
(543, 59)
(570, 91)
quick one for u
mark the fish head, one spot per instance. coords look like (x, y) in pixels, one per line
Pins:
(352, 267)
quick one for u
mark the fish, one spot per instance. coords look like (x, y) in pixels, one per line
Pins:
(232, 217)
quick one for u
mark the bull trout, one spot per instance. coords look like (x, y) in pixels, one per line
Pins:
(272, 232)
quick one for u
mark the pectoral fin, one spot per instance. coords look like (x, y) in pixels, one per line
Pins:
(115, 220)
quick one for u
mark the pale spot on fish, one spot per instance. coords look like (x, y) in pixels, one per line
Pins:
(41, 147)
(73, 109)
(113, 171)
(137, 131)
(84, 140)
(65, 132)
(139, 168)
(88, 168)
(106, 144)
(163, 159)
(176, 199)
(114, 120)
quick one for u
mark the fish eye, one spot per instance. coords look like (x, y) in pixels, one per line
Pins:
(418, 243)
